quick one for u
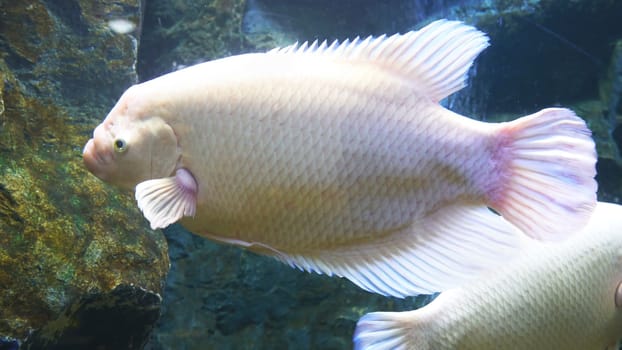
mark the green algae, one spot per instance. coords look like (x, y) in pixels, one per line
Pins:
(60, 231)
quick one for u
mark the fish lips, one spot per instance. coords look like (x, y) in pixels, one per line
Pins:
(96, 160)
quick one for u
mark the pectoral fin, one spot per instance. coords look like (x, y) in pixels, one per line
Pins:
(164, 201)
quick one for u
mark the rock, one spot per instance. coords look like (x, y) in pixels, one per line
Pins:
(180, 33)
(64, 235)
(65, 51)
(611, 108)
(605, 117)
(118, 319)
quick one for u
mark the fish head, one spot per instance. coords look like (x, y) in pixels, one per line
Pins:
(133, 144)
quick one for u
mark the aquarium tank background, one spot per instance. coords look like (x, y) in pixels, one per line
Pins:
(79, 266)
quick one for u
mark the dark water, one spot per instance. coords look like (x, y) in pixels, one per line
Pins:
(62, 75)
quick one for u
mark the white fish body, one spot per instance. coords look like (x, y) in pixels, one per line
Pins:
(340, 160)
(556, 296)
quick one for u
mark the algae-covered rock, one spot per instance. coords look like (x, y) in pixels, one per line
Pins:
(118, 319)
(64, 235)
(65, 51)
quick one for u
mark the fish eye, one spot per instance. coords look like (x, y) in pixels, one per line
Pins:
(120, 145)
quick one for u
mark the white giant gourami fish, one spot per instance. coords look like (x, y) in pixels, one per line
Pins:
(339, 159)
(556, 296)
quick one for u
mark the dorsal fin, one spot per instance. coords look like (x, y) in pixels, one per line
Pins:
(436, 57)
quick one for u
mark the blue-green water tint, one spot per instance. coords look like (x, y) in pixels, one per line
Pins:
(543, 53)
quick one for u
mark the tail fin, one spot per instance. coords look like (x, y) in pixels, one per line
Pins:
(547, 163)
(388, 330)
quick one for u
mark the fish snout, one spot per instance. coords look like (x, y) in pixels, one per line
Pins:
(96, 157)
(92, 162)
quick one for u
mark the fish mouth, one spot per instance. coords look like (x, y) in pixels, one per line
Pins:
(88, 147)
(94, 161)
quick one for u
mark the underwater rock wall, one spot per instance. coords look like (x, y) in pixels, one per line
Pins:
(180, 33)
(72, 251)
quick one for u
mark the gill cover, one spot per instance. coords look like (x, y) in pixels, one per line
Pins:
(144, 149)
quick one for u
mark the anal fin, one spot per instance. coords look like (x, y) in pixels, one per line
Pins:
(442, 251)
